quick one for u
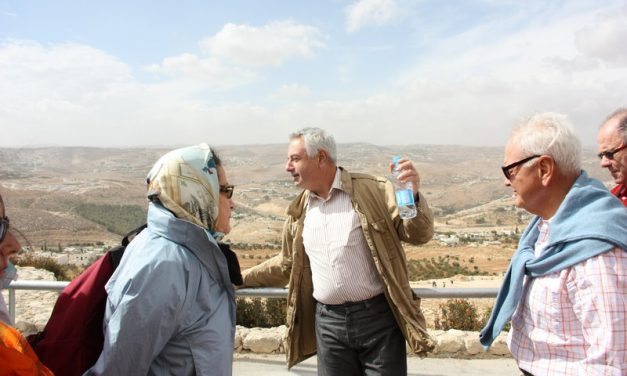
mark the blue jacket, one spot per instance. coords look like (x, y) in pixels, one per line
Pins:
(171, 305)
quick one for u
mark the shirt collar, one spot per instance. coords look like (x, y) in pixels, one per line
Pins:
(544, 223)
(337, 184)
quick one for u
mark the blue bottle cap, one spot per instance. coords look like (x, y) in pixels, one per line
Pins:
(396, 159)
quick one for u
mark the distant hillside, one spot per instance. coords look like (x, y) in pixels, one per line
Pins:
(47, 190)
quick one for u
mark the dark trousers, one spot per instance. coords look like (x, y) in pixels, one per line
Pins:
(359, 338)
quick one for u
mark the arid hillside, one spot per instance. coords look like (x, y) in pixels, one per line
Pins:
(72, 195)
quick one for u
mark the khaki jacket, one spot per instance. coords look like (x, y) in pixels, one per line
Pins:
(373, 200)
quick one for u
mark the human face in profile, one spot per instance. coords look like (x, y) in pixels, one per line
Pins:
(9, 246)
(611, 152)
(226, 206)
(305, 171)
(523, 178)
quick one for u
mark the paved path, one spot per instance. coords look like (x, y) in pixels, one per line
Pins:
(261, 365)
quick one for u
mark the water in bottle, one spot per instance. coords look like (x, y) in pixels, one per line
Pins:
(404, 194)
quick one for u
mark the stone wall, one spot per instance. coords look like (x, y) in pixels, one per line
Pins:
(449, 344)
(33, 306)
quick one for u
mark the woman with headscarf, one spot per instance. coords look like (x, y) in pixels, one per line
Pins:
(171, 302)
(16, 355)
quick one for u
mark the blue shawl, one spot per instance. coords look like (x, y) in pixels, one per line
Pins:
(589, 222)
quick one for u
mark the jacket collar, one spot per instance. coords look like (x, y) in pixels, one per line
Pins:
(164, 223)
(194, 238)
(347, 181)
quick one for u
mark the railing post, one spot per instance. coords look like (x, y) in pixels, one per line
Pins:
(12, 304)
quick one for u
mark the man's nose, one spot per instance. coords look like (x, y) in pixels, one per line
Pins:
(605, 162)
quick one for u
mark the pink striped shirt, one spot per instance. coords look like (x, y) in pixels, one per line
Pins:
(342, 267)
(573, 322)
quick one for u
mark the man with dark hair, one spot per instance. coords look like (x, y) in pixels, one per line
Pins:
(612, 141)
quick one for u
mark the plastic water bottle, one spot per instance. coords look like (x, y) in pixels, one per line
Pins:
(404, 194)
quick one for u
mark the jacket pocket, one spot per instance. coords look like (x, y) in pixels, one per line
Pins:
(383, 239)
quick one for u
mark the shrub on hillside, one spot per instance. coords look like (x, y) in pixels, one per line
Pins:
(61, 272)
(261, 313)
(459, 314)
(486, 316)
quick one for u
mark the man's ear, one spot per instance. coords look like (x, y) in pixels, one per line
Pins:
(547, 169)
(323, 157)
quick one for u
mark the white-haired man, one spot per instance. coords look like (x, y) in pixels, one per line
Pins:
(349, 297)
(566, 285)
(612, 140)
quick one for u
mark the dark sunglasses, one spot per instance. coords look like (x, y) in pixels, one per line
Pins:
(228, 189)
(507, 170)
(610, 153)
(4, 227)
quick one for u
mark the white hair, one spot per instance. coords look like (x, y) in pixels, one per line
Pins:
(316, 139)
(550, 134)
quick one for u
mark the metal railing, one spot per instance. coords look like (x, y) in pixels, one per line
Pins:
(261, 292)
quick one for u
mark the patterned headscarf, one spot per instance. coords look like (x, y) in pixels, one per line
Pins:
(186, 182)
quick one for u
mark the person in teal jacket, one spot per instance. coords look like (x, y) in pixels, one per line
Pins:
(171, 303)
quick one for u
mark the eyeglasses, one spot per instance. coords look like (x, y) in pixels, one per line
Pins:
(4, 227)
(507, 170)
(228, 189)
(610, 153)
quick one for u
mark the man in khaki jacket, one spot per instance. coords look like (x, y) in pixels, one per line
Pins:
(349, 297)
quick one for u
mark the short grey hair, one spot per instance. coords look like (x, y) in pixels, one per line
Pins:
(550, 134)
(621, 116)
(316, 139)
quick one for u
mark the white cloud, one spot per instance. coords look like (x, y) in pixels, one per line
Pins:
(465, 88)
(40, 82)
(77, 95)
(605, 38)
(370, 12)
(269, 45)
(59, 70)
(73, 94)
(293, 92)
(247, 47)
(475, 85)
(203, 73)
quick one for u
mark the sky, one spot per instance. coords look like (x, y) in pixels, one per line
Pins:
(121, 73)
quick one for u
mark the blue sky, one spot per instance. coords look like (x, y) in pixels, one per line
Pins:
(141, 73)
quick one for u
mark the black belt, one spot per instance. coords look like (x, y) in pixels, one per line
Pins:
(360, 304)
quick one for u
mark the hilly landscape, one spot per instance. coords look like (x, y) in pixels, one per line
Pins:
(77, 202)
(62, 196)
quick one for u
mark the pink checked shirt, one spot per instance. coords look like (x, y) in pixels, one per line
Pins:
(573, 322)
